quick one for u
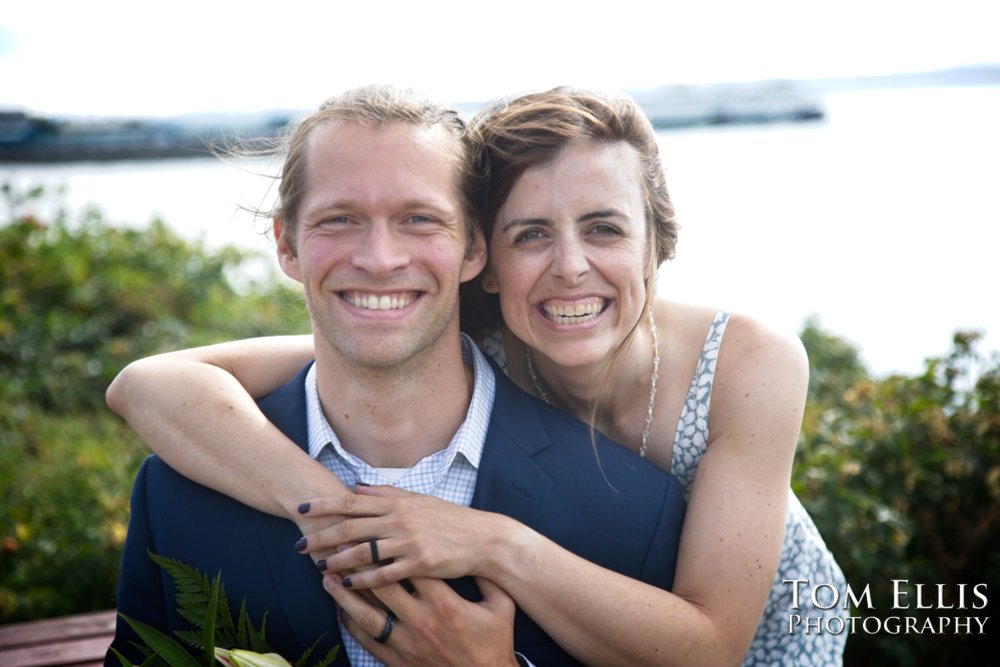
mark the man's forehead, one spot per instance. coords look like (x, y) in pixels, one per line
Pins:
(404, 161)
(393, 144)
(347, 134)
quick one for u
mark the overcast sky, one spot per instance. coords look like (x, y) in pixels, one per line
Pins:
(169, 58)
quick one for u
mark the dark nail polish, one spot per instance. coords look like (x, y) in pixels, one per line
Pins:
(362, 484)
(300, 545)
(321, 564)
(304, 508)
(347, 582)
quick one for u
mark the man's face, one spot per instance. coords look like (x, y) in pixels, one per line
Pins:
(381, 242)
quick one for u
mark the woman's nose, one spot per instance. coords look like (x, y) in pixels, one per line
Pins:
(571, 263)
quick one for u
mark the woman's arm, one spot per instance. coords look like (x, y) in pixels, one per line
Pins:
(729, 549)
(195, 408)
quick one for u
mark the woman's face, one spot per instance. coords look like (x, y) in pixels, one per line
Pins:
(568, 253)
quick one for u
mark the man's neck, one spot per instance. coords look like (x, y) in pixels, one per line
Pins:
(394, 417)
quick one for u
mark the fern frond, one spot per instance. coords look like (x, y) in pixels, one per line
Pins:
(194, 589)
(203, 603)
(190, 637)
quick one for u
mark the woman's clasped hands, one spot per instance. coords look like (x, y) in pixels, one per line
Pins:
(409, 534)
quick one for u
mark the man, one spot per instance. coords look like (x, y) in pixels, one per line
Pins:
(377, 224)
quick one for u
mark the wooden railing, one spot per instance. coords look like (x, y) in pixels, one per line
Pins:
(71, 641)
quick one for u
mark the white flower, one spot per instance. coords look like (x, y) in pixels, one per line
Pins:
(240, 658)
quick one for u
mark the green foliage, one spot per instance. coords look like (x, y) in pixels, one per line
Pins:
(160, 650)
(79, 299)
(902, 476)
(204, 604)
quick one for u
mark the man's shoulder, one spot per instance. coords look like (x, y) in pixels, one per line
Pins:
(159, 484)
(556, 439)
(285, 407)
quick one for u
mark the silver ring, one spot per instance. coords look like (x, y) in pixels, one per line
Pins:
(390, 620)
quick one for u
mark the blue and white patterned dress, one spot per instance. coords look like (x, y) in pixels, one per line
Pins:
(804, 555)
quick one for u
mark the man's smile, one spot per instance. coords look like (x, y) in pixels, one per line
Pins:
(372, 301)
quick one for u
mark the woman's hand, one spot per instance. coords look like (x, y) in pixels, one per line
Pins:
(433, 625)
(414, 534)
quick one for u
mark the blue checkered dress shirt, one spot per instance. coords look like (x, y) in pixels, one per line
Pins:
(449, 474)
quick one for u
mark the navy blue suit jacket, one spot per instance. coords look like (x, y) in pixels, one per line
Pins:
(538, 466)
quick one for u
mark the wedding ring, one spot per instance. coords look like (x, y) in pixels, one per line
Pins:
(373, 546)
(390, 620)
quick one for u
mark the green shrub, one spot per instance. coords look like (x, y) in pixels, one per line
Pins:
(79, 299)
(902, 476)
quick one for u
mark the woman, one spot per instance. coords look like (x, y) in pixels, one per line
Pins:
(577, 218)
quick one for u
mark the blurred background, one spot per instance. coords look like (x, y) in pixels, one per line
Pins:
(834, 167)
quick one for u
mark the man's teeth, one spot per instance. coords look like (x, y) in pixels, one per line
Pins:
(574, 314)
(379, 302)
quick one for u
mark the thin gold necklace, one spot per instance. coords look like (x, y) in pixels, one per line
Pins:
(652, 381)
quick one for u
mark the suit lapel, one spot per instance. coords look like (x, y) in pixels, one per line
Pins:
(309, 610)
(509, 480)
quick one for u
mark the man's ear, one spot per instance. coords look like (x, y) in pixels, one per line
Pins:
(475, 258)
(288, 258)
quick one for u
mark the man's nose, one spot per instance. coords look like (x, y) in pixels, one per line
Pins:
(381, 251)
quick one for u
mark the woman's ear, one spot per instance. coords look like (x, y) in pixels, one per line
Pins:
(288, 259)
(489, 281)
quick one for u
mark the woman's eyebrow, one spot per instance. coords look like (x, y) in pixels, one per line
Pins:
(606, 213)
(524, 222)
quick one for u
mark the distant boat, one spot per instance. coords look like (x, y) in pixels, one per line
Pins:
(728, 104)
(25, 138)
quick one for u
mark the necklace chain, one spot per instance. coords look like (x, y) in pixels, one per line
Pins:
(652, 382)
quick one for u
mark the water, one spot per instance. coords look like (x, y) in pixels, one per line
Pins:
(882, 220)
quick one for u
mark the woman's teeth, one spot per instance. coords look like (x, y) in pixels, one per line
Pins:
(574, 314)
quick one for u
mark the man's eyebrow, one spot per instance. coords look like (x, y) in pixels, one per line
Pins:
(437, 207)
(442, 207)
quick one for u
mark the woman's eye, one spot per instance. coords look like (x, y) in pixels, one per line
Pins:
(529, 235)
(605, 230)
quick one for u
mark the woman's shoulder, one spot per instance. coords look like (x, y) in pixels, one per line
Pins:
(761, 369)
(752, 341)
(751, 351)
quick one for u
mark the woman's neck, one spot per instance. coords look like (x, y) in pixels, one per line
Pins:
(574, 389)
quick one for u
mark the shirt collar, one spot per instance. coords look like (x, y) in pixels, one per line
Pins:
(467, 441)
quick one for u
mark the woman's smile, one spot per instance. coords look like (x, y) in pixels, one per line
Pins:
(573, 313)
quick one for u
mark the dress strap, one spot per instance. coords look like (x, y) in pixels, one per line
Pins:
(691, 438)
(492, 347)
